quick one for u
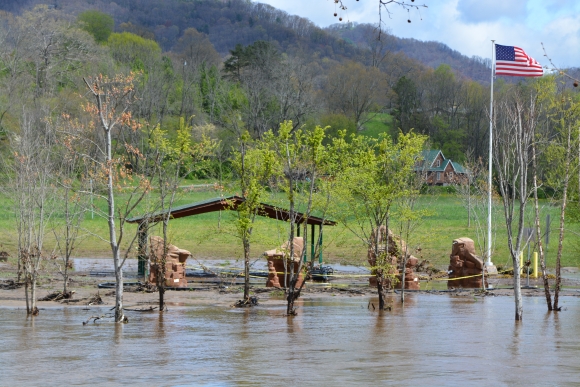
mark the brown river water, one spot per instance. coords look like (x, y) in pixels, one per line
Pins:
(435, 340)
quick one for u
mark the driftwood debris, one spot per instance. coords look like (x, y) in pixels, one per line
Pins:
(252, 301)
(95, 299)
(58, 295)
(94, 318)
(10, 285)
(150, 309)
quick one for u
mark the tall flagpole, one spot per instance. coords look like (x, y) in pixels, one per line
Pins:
(489, 182)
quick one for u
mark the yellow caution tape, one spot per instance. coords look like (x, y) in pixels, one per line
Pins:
(421, 278)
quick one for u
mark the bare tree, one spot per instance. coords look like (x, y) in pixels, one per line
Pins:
(515, 128)
(71, 181)
(34, 198)
(112, 99)
(384, 7)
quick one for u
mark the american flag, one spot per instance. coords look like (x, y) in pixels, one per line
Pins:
(514, 61)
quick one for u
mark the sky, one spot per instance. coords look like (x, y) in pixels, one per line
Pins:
(467, 26)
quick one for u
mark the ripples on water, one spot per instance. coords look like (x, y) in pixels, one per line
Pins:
(433, 340)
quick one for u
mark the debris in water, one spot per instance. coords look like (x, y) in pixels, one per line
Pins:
(251, 301)
(95, 300)
(58, 295)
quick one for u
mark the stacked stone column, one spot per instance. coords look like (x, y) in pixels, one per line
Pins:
(174, 263)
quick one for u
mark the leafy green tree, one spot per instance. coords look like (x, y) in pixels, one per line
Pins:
(377, 175)
(133, 50)
(254, 165)
(172, 160)
(335, 123)
(407, 104)
(302, 156)
(212, 89)
(561, 157)
(98, 24)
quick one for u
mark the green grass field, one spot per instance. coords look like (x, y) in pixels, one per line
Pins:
(379, 123)
(212, 236)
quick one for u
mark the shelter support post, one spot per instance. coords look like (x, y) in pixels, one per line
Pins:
(142, 255)
(312, 242)
(320, 247)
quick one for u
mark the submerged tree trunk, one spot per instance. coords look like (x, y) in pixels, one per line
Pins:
(26, 285)
(539, 231)
(34, 308)
(381, 290)
(562, 218)
(119, 315)
(161, 290)
(246, 270)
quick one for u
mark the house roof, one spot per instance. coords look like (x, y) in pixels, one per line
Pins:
(458, 167)
(429, 157)
(229, 203)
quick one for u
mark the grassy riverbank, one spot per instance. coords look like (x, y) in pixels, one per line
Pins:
(212, 235)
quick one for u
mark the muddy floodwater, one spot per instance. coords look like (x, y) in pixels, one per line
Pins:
(435, 340)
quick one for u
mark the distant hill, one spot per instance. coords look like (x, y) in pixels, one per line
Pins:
(430, 53)
(227, 22)
(231, 22)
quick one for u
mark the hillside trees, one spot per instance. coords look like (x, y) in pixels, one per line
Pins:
(193, 56)
(98, 24)
(54, 48)
(133, 50)
(255, 69)
(408, 113)
(355, 91)
(276, 88)
(453, 112)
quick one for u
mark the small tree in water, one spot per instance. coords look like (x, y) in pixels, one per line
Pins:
(254, 166)
(110, 109)
(378, 172)
(302, 157)
(516, 123)
(172, 160)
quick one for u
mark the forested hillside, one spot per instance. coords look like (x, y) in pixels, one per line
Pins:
(232, 22)
(432, 54)
(206, 60)
(277, 67)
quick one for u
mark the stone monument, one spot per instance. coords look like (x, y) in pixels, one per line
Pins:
(465, 265)
(174, 263)
(387, 241)
(276, 258)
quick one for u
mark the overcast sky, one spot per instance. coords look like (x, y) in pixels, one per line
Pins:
(467, 26)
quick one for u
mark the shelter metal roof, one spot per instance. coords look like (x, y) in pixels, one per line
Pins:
(229, 203)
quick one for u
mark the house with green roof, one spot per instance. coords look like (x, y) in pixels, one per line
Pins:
(437, 170)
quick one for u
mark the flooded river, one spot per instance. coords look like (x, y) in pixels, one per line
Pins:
(434, 340)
